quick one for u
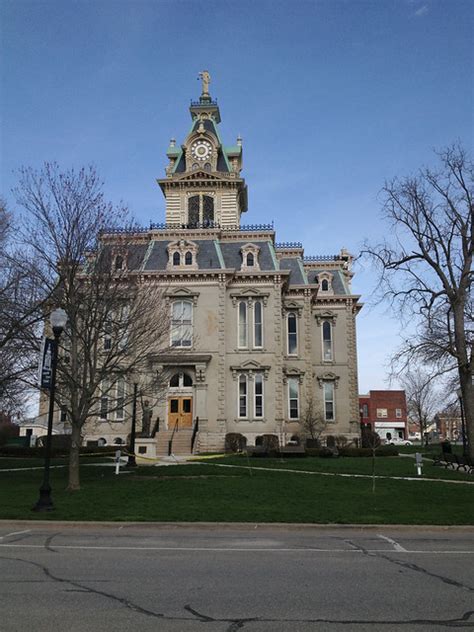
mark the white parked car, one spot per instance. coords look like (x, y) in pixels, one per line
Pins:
(398, 441)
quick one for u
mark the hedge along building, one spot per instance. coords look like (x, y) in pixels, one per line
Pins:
(257, 329)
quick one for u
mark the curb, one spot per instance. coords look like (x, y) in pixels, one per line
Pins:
(235, 525)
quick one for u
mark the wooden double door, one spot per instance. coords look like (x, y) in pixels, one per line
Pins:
(180, 409)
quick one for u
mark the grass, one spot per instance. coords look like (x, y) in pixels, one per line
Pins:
(384, 466)
(204, 492)
(7, 462)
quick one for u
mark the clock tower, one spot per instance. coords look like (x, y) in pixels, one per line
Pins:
(203, 187)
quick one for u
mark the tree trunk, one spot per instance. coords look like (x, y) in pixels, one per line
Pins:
(467, 396)
(465, 374)
(76, 440)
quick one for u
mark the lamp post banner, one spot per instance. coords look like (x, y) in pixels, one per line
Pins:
(46, 363)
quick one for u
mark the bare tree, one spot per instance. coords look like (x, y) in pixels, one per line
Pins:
(116, 318)
(422, 399)
(426, 272)
(21, 300)
(312, 422)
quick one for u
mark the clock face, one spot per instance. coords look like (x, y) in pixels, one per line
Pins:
(201, 150)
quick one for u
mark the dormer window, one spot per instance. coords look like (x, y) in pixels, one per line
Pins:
(200, 210)
(250, 254)
(182, 253)
(325, 283)
(118, 262)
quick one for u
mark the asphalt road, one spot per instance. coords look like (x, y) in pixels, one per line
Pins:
(224, 578)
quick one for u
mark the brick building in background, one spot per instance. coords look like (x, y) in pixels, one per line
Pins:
(386, 412)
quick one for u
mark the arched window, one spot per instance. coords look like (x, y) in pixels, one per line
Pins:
(250, 260)
(327, 341)
(178, 380)
(242, 395)
(118, 262)
(243, 328)
(174, 382)
(188, 258)
(258, 324)
(101, 442)
(324, 285)
(193, 210)
(118, 441)
(182, 324)
(207, 210)
(292, 327)
(200, 210)
(176, 258)
(258, 396)
(207, 166)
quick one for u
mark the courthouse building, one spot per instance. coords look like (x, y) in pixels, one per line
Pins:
(257, 328)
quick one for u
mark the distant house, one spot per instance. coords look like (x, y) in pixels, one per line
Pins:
(449, 425)
(386, 412)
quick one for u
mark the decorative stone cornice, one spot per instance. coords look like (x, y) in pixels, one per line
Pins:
(325, 315)
(289, 372)
(181, 293)
(328, 377)
(250, 367)
(249, 295)
(292, 306)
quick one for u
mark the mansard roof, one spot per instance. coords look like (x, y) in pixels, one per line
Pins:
(221, 253)
(297, 273)
(338, 284)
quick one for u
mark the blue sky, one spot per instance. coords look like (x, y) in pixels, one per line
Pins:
(331, 98)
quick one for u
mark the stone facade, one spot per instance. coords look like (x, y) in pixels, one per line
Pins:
(257, 328)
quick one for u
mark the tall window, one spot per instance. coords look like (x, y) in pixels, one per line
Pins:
(181, 324)
(118, 262)
(258, 396)
(250, 260)
(193, 210)
(242, 396)
(324, 285)
(293, 398)
(292, 328)
(329, 412)
(176, 258)
(188, 258)
(327, 340)
(120, 402)
(207, 209)
(104, 401)
(200, 210)
(243, 324)
(258, 324)
(108, 333)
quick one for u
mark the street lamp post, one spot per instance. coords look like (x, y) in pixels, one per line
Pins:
(58, 321)
(131, 457)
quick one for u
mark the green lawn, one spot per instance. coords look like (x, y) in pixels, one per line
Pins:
(7, 462)
(204, 492)
(384, 466)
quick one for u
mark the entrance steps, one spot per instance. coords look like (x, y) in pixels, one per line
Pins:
(181, 442)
